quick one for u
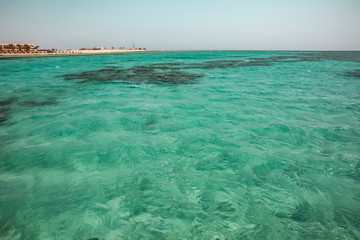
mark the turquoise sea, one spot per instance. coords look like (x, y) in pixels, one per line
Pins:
(180, 145)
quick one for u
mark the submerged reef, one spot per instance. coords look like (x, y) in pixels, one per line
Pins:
(353, 74)
(5, 106)
(135, 75)
(235, 63)
(347, 56)
(170, 73)
(34, 103)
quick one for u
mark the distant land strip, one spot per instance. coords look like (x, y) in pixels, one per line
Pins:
(31, 49)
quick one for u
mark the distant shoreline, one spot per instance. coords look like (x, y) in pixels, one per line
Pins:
(72, 52)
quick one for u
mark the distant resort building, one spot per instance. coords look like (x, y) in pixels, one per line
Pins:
(94, 48)
(18, 48)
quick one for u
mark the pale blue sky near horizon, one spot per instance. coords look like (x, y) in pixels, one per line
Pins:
(183, 25)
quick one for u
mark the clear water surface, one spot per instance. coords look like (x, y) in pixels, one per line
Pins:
(180, 145)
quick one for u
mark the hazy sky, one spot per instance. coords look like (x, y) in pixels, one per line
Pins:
(183, 24)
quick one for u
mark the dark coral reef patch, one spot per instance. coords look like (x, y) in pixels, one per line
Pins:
(353, 74)
(172, 73)
(5, 106)
(135, 75)
(35, 103)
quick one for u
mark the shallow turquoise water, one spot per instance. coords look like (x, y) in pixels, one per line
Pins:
(182, 145)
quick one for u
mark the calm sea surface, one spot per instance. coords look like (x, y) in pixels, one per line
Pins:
(180, 145)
